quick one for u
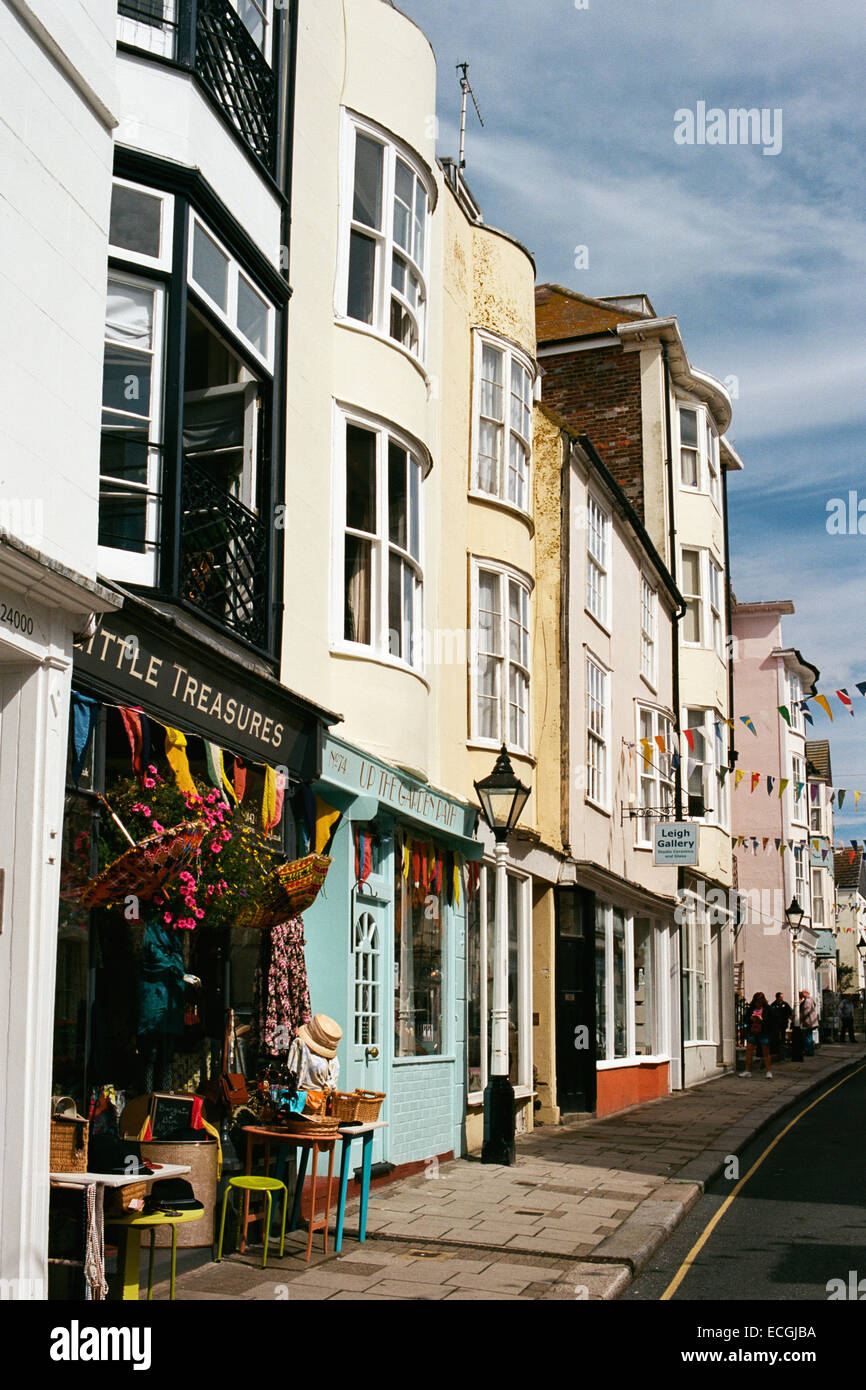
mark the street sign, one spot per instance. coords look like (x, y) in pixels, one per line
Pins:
(675, 842)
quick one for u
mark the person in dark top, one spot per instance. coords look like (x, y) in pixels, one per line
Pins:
(781, 1014)
(846, 1014)
(758, 1033)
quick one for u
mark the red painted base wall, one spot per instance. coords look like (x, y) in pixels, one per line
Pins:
(625, 1086)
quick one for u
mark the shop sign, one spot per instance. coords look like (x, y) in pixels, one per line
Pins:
(198, 692)
(675, 843)
(353, 771)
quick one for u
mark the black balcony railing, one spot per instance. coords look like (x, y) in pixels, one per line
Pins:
(223, 557)
(211, 38)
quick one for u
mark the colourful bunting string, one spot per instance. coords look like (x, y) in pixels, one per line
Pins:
(783, 783)
(846, 701)
(785, 713)
(825, 705)
(749, 723)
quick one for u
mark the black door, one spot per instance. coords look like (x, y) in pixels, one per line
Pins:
(575, 1000)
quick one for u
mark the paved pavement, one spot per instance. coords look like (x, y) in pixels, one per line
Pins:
(577, 1217)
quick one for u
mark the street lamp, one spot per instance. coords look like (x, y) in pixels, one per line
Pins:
(793, 922)
(502, 796)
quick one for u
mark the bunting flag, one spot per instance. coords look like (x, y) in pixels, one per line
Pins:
(806, 712)
(842, 795)
(825, 705)
(783, 783)
(176, 756)
(738, 777)
(213, 755)
(416, 865)
(756, 777)
(363, 855)
(457, 866)
(674, 741)
(675, 762)
(690, 738)
(135, 722)
(660, 743)
(770, 782)
(405, 858)
(814, 792)
(852, 854)
(282, 782)
(647, 753)
(786, 714)
(857, 796)
(846, 701)
(240, 780)
(749, 723)
(269, 801)
(326, 822)
(861, 686)
(798, 789)
(766, 843)
(718, 728)
(83, 723)
(723, 772)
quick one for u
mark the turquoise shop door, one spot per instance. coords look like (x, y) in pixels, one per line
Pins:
(368, 1041)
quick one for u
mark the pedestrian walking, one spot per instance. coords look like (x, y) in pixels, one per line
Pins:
(758, 1033)
(781, 1014)
(846, 1015)
(808, 1022)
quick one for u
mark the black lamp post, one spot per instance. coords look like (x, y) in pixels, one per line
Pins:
(793, 922)
(502, 796)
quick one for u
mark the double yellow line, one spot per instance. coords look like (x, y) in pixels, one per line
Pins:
(711, 1225)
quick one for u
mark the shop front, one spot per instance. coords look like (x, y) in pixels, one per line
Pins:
(387, 946)
(166, 730)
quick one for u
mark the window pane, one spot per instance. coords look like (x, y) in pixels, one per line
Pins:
(253, 316)
(489, 443)
(644, 1002)
(489, 614)
(136, 220)
(404, 196)
(600, 995)
(129, 314)
(517, 471)
(414, 508)
(210, 267)
(420, 221)
(360, 479)
(520, 411)
(367, 207)
(620, 1035)
(692, 621)
(252, 14)
(419, 967)
(396, 642)
(126, 382)
(358, 590)
(689, 467)
(689, 428)
(362, 272)
(397, 463)
(488, 697)
(475, 1018)
(492, 404)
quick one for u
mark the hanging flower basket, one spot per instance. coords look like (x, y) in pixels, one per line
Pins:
(145, 868)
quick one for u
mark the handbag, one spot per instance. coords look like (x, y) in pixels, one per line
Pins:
(230, 1088)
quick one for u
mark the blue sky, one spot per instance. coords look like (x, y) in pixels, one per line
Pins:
(762, 257)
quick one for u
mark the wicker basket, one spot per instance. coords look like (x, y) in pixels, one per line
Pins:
(315, 1126)
(288, 890)
(121, 1199)
(357, 1105)
(68, 1149)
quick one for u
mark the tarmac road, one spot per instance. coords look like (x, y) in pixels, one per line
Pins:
(798, 1222)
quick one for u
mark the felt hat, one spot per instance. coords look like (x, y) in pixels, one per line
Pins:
(321, 1035)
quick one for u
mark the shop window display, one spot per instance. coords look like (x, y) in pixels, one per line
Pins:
(419, 951)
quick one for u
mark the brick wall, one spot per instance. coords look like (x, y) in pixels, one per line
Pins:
(598, 393)
(421, 1110)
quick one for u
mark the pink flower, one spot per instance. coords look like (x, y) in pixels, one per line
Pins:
(225, 834)
(157, 827)
(146, 811)
(199, 913)
(215, 847)
(149, 782)
(167, 918)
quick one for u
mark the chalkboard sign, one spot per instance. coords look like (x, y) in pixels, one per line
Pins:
(171, 1115)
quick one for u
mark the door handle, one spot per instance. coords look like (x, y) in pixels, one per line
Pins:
(370, 1052)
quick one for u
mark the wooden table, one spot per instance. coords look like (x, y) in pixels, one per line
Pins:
(129, 1255)
(307, 1144)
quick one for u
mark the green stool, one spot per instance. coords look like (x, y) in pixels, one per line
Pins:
(133, 1224)
(255, 1184)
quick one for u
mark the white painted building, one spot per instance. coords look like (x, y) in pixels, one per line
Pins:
(56, 74)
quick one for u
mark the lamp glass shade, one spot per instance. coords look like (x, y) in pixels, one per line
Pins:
(502, 795)
(794, 914)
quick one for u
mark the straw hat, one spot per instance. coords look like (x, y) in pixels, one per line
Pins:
(322, 1035)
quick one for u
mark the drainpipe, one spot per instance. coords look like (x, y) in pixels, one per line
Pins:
(732, 752)
(675, 661)
(565, 648)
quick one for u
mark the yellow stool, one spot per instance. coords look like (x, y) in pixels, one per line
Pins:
(133, 1226)
(255, 1184)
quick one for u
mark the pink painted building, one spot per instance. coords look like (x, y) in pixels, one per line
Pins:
(769, 675)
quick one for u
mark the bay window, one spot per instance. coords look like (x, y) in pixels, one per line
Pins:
(628, 964)
(704, 755)
(702, 586)
(699, 451)
(379, 570)
(500, 665)
(503, 422)
(385, 254)
(597, 733)
(655, 782)
(480, 917)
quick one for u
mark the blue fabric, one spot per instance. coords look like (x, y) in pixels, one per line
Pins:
(160, 981)
(83, 721)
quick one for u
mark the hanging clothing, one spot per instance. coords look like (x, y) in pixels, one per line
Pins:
(314, 1073)
(281, 995)
(160, 981)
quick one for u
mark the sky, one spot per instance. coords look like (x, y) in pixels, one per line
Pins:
(761, 256)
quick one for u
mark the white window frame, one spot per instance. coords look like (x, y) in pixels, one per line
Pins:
(125, 565)
(510, 439)
(524, 982)
(598, 560)
(710, 600)
(598, 742)
(707, 466)
(655, 784)
(716, 792)
(818, 903)
(162, 261)
(266, 10)
(507, 576)
(610, 1060)
(379, 649)
(228, 315)
(799, 812)
(801, 883)
(649, 624)
(696, 966)
(386, 247)
(794, 694)
(157, 37)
